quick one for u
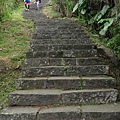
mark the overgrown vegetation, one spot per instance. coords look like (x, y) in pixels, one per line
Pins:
(102, 17)
(15, 35)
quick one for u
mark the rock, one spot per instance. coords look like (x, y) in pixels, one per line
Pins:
(2, 65)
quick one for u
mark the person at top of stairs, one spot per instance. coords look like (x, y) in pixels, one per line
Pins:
(37, 2)
(27, 4)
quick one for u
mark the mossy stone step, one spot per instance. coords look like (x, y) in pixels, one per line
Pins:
(39, 62)
(47, 71)
(69, 97)
(78, 41)
(58, 30)
(54, 47)
(63, 54)
(86, 112)
(59, 36)
(55, 21)
(66, 83)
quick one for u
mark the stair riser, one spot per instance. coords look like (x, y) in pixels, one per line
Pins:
(63, 98)
(61, 41)
(61, 31)
(63, 116)
(23, 116)
(65, 71)
(79, 116)
(62, 54)
(59, 47)
(100, 97)
(33, 99)
(59, 27)
(37, 62)
(65, 84)
(57, 24)
(65, 33)
(56, 36)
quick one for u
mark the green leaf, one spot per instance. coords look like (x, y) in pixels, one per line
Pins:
(106, 25)
(75, 8)
(83, 11)
(99, 15)
(80, 2)
(119, 15)
(104, 9)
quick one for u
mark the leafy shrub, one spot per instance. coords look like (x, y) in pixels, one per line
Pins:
(6, 7)
(101, 15)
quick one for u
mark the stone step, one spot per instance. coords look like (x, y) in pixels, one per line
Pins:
(41, 97)
(60, 36)
(59, 27)
(67, 22)
(61, 41)
(38, 62)
(63, 54)
(59, 23)
(67, 34)
(58, 30)
(86, 112)
(47, 71)
(66, 83)
(54, 47)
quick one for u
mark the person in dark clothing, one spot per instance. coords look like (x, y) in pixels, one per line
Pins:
(27, 4)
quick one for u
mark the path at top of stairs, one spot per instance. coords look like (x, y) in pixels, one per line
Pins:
(63, 78)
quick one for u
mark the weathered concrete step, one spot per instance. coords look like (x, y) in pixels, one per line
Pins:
(63, 54)
(19, 113)
(59, 36)
(66, 83)
(87, 112)
(58, 30)
(58, 33)
(65, 71)
(37, 62)
(62, 41)
(57, 25)
(69, 97)
(55, 21)
(71, 28)
(54, 47)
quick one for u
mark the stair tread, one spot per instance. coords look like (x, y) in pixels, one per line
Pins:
(56, 91)
(51, 109)
(43, 97)
(68, 78)
(87, 112)
(69, 66)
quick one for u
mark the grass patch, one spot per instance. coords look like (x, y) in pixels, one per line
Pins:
(15, 35)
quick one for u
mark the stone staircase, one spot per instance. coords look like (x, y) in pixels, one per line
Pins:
(63, 78)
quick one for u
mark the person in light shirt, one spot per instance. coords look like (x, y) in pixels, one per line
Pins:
(37, 2)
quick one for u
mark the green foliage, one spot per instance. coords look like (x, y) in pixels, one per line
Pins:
(7, 6)
(15, 36)
(101, 16)
(7, 84)
(107, 23)
(80, 4)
